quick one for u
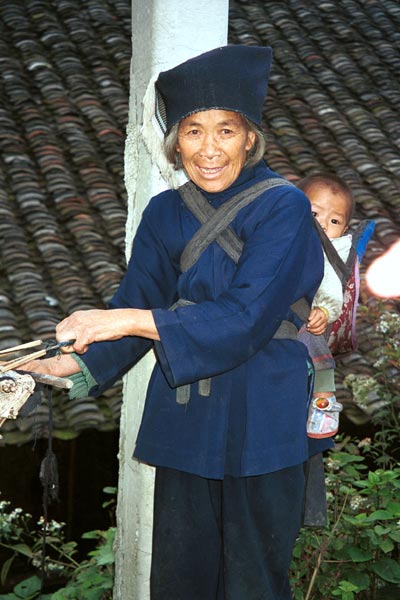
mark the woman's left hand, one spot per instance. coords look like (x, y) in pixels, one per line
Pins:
(57, 366)
(96, 325)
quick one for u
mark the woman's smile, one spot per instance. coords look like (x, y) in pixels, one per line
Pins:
(210, 172)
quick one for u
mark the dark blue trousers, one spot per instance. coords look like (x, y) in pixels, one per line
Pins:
(229, 539)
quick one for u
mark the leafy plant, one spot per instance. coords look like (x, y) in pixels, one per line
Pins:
(90, 579)
(21, 540)
(26, 590)
(93, 579)
(384, 385)
(356, 556)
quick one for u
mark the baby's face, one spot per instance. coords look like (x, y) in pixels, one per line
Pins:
(330, 209)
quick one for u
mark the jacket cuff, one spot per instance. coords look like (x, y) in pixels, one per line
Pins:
(83, 381)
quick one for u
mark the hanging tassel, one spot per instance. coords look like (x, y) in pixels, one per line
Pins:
(48, 475)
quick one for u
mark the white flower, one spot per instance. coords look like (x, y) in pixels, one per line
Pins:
(364, 388)
(4, 504)
(389, 323)
(365, 443)
(54, 567)
(380, 362)
(356, 502)
(332, 464)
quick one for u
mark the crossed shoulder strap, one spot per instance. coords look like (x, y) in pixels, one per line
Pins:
(216, 226)
(216, 222)
(343, 269)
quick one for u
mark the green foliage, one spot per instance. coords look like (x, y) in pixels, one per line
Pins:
(384, 384)
(90, 579)
(93, 580)
(356, 556)
(27, 589)
(22, 540)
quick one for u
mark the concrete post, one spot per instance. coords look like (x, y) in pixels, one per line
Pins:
(164, 33)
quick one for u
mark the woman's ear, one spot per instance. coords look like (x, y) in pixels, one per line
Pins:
(251, 138)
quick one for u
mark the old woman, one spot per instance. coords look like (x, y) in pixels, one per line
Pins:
(221, 273)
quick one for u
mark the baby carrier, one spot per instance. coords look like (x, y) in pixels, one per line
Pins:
(341, 334)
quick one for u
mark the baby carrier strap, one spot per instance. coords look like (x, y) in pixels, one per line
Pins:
(216, 222)
(341, 334)
(343, 269)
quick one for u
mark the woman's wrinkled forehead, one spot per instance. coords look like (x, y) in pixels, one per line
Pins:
(220, 118)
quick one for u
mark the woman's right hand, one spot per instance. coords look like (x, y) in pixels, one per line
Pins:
(88, 326)
(98, 325)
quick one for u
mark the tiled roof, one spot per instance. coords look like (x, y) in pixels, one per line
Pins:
(64, 80)
(333, 104)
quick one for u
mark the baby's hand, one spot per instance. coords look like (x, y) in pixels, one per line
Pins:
(317, 321)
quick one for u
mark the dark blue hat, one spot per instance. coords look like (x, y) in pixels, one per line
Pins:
(227, 78)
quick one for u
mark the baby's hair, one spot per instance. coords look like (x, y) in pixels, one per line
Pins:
(334, 183)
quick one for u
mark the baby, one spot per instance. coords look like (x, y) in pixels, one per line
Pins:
(332, 206)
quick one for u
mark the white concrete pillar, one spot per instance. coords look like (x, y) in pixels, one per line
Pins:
(164, 34)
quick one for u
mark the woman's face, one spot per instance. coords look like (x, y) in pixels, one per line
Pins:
(213, 145)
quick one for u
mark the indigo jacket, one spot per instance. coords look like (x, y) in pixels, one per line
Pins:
(254, 420)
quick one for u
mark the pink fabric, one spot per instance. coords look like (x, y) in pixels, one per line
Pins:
(342, 337)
